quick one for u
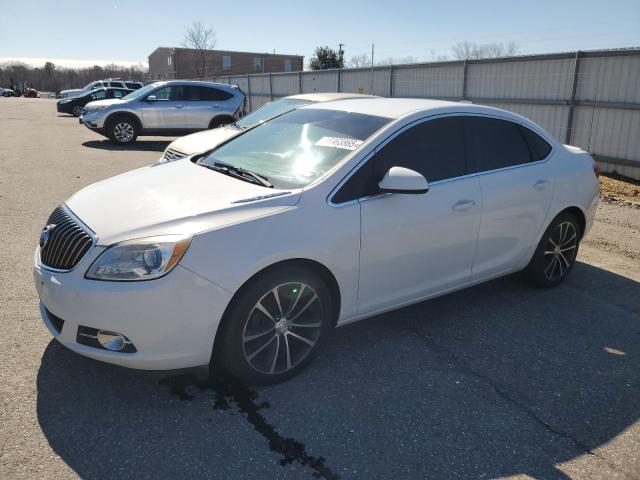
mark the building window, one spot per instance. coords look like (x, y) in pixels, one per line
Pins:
(226, 62)
(257, 64)
(169, 60)
(287, 65)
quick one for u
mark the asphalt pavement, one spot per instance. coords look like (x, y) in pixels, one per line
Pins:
(501, 380)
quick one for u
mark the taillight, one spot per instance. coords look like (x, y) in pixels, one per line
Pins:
(596, 169)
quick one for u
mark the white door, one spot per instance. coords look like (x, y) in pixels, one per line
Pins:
(416, 245)
(517, 190)
(166, 112)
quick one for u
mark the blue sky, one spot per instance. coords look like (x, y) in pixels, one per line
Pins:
(129, 31)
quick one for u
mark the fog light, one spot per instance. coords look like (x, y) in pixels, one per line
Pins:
(111, 340)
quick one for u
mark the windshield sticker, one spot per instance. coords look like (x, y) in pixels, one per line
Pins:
(337, 142)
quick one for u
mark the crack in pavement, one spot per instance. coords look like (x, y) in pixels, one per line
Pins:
(230, 392)
(516, 400)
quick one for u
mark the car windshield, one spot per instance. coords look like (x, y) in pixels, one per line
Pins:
(296, 148)
(141, 91)
(270, 110)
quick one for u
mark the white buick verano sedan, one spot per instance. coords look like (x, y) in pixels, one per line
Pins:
(250, 254)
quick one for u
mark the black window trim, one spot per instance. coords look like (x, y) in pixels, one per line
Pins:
(394, 134)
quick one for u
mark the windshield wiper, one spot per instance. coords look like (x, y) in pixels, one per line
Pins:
(239, 173)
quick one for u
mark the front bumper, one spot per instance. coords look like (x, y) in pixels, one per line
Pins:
(94, 120)
(171, 321)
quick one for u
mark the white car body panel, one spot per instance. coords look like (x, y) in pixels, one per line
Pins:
(435, 250)
(150, 201)
(202, 141)
(384, 252)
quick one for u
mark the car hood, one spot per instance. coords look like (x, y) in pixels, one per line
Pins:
(202, 141)
(173, 198)
(73, 91)
(105, 103)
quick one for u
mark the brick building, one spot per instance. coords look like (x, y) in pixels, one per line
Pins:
(177, 63)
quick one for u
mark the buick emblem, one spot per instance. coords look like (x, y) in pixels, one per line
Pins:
(46, 232)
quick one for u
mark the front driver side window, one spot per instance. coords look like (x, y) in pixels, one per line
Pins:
(434, 148)
(163, 94)
(98, 95)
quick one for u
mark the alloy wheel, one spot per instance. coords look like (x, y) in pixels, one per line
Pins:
(123, 132)
(560, 251)
(282, 328)
(77, 110)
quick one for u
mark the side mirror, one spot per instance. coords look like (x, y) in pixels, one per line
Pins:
(403, 180)
(151, 98)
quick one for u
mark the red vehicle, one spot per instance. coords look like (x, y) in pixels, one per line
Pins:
(31, 93)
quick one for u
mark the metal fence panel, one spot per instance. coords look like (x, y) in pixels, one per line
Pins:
(604, 115)
(424, 81)
(361, 80)
(610, 79)
(320, 81)
(553, 118)
(260, 90)
(537, 79)
(285, 84)
(609, 132)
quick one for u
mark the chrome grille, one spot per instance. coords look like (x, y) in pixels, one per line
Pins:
(171, 155)
(66, 244)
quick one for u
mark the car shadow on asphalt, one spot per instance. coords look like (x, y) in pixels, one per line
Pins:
(146, 145)
(496, 380)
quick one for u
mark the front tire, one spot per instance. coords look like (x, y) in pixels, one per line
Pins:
(122, 130)
(556, 253)
(77, 111)
(275, 326)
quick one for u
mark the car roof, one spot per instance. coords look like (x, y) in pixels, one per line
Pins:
(195, 82)
(327, 97)
(400, 107)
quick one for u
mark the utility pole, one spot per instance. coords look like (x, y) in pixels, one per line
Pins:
(340, 51)
(371, 69)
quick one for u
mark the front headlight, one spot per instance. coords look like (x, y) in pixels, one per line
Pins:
(142, 259)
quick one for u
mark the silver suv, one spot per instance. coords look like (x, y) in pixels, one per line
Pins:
(165, 108)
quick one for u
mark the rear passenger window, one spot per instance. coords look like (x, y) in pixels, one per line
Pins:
(538, 145)
(433, 148)
(213, 94)
(493, 143)
(205, 94)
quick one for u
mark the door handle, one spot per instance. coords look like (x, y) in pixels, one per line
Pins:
(463, 205)
(541, 184)
(179, 106)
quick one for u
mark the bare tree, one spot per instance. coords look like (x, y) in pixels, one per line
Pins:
(54, 78)
(201, 38)
(396, 61)
(474, 51)
(359, 61)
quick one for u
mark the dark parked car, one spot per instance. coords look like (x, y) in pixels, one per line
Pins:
(133, 85)
(74, 105)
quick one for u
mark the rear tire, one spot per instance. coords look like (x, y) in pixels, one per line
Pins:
(275, 326)
(221, 121)
(556, 253)
(122, 130)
